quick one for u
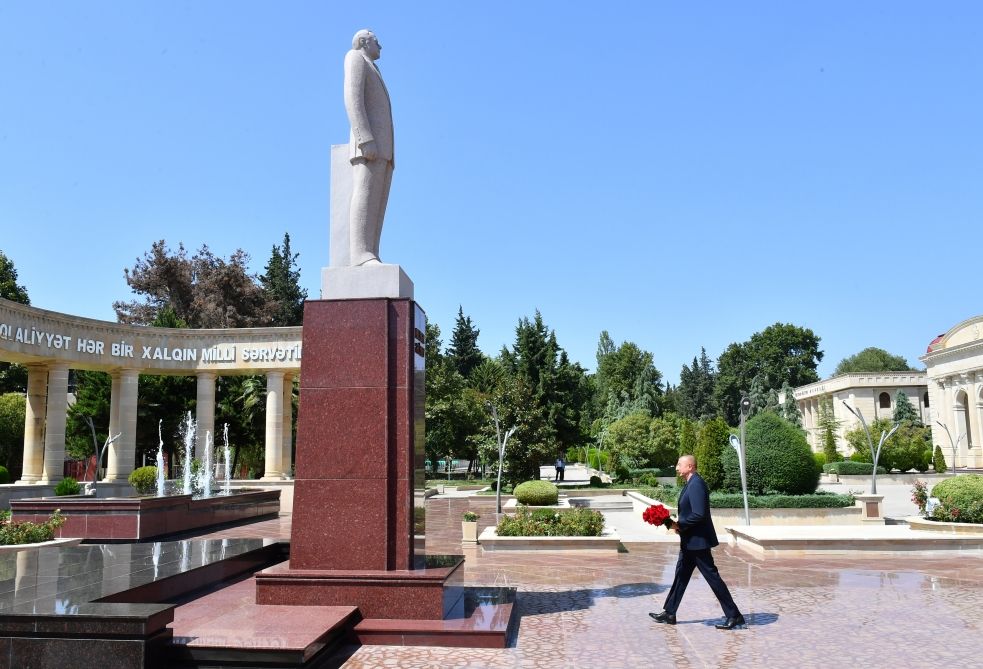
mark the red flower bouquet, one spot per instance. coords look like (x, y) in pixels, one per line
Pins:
(657, 515)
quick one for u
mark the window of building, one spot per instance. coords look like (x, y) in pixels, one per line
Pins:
(925, 400)
(884, 400)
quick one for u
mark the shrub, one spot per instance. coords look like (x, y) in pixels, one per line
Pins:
(67, 486)
(4, 475)
(537, 493)
(816, 500)
(639, 475)
(30, 533)
(960, 499)
(903, 451)
(549, 523)
(710, 446)
(938, 460)
(144, 480)
(470, 517)
(778, 459)
(852, 468)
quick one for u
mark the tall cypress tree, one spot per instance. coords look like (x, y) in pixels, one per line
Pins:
(281, 282)
(463, 351)
(694, 395)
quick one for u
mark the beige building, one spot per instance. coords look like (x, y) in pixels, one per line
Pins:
(872, 394)
(954, 363)
(50, 344)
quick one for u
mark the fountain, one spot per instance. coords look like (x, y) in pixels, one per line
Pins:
(228, 464)
(189, 451)
(205, 473)
(138, 518)
(160, 460)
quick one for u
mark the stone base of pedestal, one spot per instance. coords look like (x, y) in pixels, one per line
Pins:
(871, 508)
(429, 593)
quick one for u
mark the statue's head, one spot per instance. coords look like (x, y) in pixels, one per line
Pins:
(367, 42)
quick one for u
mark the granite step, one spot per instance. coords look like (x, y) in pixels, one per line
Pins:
(227, 628)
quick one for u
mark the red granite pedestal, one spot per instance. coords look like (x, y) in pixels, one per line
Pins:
(359, 452)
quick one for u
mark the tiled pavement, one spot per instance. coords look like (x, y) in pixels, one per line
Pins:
(591, 611)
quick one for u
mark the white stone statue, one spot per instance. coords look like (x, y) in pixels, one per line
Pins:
(370, 147)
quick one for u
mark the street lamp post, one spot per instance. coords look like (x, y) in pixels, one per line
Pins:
(952, 444)
(742, 454)
(501, 453)
(870, 442)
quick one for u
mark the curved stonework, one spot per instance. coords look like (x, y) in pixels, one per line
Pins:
(29, 335)
(51, 344)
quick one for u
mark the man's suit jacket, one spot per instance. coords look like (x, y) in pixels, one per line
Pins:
(368, 106)
(695, 525)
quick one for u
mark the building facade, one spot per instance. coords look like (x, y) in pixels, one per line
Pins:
(873, 394)
(954, 363)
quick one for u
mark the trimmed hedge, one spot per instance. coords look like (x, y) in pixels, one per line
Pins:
(728, 500)
(851, 468)
(68, 486)
(536, 493)
(778, 459)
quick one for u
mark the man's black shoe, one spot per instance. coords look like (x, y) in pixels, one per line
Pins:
(665, 617)
(731, 623)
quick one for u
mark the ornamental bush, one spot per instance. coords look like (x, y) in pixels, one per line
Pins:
(549, 523)
(711, 444)
(4, 475)
(779, 459)
(30, 533)
(960, 499)
(144, 480)
(67, 486)
(852, 468)
(938, 461)
(537, 493)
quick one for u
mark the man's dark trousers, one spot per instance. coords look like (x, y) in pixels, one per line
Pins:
(702, 560)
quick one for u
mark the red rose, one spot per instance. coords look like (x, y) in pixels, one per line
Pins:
(657, 515)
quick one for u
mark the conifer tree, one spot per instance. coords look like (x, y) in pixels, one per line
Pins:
(463, 351)
(694, 395)
(904, 411)
(282, 285)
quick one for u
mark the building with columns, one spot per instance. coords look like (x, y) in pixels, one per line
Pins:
(954, 363)
(872, 394)
(50, 344)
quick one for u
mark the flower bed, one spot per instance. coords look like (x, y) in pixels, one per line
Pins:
(551, 523)
(15, 534)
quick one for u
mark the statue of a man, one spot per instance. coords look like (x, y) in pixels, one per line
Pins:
(370, 147)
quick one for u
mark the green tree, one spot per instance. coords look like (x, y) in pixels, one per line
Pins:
(9, 288)
(281, 281)
(828, 427)
(872, 359)
(559, 388)
(463, 351)
(904, 411)
(687, 437)
(92, 396)
(13, 378)
(712, 440)
(782, 353)
(12, 416)
(938, 461)
(789, 408)
(627, 374)
(628, 440)
(694, 395)
(664, 450)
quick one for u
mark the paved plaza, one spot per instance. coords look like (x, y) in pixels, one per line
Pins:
(589, 611)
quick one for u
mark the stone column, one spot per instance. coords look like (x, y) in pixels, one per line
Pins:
(205, 411)
(54, 424)
(113, 416)
(34, 419)
(288, 434)
(274, 426)
(123, 451)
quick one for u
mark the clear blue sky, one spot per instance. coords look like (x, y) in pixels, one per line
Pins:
(679, 174)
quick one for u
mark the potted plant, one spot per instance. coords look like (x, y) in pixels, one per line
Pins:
(469, 527)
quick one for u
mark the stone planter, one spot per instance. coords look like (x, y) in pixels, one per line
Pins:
(56, 543)
(469, 531)
(923, 524)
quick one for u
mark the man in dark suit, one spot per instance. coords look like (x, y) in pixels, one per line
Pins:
(696, 538)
